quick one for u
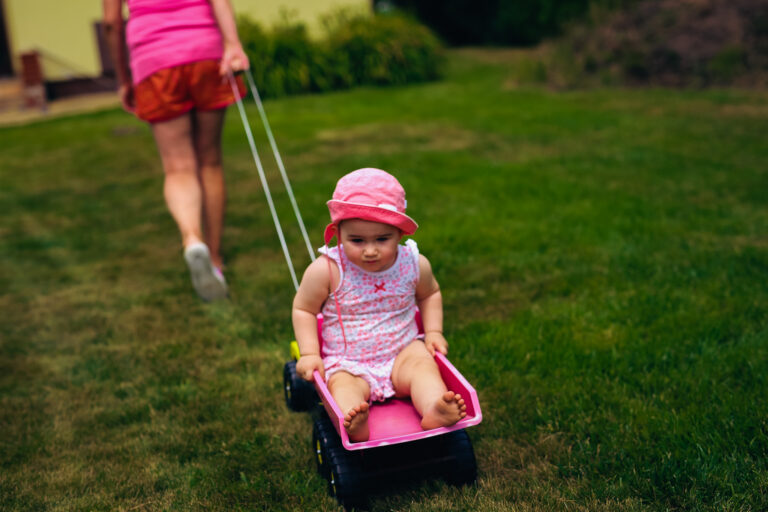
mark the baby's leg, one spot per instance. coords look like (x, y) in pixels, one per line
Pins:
(351, 393)
(415, 374)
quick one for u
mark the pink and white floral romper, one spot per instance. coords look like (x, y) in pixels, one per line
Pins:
(378, 317)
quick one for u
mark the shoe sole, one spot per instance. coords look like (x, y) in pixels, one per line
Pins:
(204, 281)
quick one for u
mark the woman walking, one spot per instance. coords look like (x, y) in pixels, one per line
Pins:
(174, 76)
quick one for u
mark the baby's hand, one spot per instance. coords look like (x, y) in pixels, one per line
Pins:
(435, 341)
(307, 365)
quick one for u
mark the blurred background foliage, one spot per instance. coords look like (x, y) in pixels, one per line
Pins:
(572, 43)
(498, 22)
(612, 42)
(354, 49)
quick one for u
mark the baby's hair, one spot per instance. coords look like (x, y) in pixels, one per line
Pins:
(366, 220)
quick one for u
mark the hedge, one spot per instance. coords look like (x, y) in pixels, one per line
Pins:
(356, 50)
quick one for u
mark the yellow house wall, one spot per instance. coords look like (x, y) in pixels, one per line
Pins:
(269, 12)
(64, 29)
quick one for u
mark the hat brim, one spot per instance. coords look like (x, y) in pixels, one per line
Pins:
(342, 210)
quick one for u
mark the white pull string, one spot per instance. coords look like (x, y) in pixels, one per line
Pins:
(263, 114)
(264, 184)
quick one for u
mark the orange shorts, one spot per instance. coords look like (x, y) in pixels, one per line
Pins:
(171, 92)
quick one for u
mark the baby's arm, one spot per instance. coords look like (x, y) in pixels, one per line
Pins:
(309, 299)
(430, 303)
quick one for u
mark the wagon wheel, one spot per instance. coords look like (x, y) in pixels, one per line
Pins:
(346, 478)
(299, 394)
(324, 439)
(463, 469)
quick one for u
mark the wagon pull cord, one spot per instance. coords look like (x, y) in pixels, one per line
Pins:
(276, 153)
(262, 176)
(265, 185)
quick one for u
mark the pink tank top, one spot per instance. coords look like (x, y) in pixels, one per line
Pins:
(378, 309)
(166, 33)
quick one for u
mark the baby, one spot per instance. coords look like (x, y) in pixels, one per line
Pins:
(368, 287)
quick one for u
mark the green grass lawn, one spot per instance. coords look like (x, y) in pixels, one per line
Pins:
(603, 257)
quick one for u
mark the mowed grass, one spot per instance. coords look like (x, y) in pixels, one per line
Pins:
(603, 257)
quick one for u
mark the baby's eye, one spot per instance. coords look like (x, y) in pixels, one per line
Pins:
(356, 240)
(383, 238)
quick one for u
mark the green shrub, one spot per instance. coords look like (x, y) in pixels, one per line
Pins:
(664, 42)
(727, 64)
(281, 60)
(257, 45)
(386, 50)
(356, 50)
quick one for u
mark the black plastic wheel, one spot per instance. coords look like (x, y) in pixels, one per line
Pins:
(324, 439)
(463, 469)
(300, 395)
(346, 479)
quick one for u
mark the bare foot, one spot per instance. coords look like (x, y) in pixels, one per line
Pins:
(356, 422)
(445, 412)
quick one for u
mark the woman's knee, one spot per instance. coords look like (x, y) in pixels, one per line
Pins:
(179, 166)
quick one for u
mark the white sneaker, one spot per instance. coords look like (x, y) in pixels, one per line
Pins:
(208, 281)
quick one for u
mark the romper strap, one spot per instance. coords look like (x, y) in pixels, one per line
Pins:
(335, 301)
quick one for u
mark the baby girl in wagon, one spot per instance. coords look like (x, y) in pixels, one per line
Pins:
(367, 288)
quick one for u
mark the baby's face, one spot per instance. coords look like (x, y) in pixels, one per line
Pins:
(371, 246)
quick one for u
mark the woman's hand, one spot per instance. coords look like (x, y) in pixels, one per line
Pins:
(233, 59)
(127, 98)
(307, 365)
(435, 341)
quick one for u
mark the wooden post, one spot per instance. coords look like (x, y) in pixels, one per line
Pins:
(32, 81)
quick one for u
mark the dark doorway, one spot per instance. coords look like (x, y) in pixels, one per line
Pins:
(6, 66)
(107, 66)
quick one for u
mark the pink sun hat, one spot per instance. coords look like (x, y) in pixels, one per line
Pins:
(369, 194)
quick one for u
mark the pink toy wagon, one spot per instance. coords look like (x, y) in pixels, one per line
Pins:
(397, 449)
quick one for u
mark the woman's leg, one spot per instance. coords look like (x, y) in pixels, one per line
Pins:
(351, 393)
(415, 374)
(184, 197)
(182, 190)
(207, 126)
